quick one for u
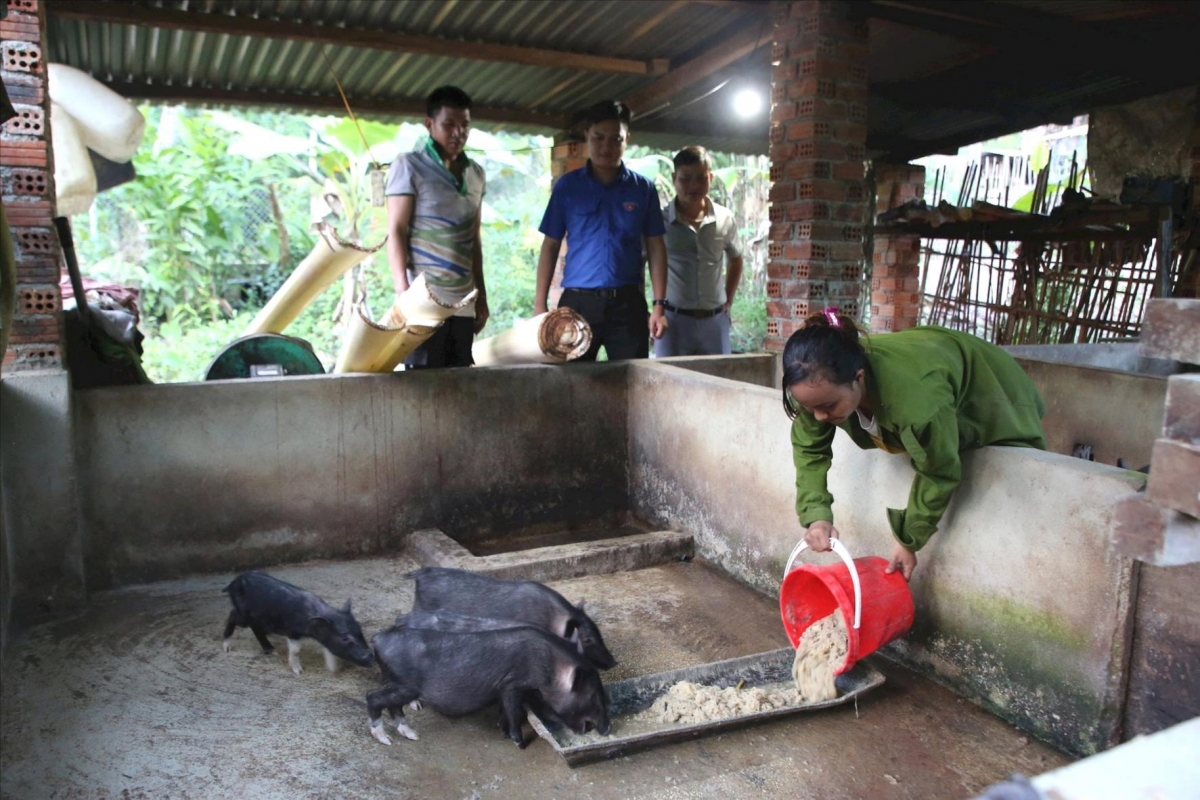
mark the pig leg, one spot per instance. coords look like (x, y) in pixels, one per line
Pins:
(261, 635)
(512, 716)
(331, 661)
(294, 655)
(393, 698)
(234, 619)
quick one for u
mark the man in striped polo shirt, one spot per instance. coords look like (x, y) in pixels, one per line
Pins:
(434, 196)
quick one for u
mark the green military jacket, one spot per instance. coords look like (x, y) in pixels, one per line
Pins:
(935, 392)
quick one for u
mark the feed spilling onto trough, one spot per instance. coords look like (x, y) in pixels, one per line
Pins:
(821, 652)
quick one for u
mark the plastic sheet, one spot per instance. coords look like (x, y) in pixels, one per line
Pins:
(108, 123)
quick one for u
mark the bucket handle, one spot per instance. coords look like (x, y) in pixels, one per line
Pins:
(844, 553)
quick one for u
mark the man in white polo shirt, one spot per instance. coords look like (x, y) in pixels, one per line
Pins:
(700, 236)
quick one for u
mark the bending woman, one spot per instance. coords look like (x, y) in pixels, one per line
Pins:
(927, 392)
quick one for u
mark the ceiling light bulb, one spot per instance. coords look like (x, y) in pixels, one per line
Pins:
(747, 102)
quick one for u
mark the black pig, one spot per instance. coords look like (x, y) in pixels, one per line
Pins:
(269, 605)
(445, 589)
(457, 673)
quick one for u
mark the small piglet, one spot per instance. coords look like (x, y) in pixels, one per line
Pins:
(269, 605)
(457, 673)
(528, 602)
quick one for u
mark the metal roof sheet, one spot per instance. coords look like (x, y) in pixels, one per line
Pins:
(942, 74)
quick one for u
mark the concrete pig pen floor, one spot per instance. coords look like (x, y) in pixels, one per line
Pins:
(134, 698)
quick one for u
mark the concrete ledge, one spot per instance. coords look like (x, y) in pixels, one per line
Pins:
(1155, 535)
(758, 369)
(1022, 604)
(432, 548)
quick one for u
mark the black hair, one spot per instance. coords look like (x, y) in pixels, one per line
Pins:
(692, 154)
(447, 97)
(604, 111)
(821, 351)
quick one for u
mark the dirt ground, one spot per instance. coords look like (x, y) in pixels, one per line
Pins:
(133, 698)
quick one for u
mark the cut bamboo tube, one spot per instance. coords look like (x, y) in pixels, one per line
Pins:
(555, 337)
(381, 346)
(331, 257)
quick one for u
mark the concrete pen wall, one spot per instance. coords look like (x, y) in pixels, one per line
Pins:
(1021, 604)
(219, 476)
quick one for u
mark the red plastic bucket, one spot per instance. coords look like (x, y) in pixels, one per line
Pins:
(810, 592)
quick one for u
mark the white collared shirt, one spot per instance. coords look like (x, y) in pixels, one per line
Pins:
(695, 278)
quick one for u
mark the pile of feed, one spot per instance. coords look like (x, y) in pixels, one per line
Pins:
(688, 703)
(821, 652)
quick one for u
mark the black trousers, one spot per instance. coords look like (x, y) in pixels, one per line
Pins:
(450, 346)
(619, 323)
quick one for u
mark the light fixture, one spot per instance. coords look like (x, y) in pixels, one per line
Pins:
(747, 102)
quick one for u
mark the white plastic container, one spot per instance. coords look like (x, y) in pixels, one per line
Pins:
(108, 123)
(74, 177)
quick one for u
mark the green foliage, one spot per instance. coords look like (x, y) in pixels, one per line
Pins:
(749, 319)
(192, 232)
(187, 212)
(181, 352)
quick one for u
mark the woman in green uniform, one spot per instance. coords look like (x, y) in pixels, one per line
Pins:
(927, 392)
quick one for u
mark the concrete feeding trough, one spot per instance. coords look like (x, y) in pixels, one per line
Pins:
(633, 695)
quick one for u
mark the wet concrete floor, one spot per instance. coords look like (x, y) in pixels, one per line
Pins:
(133, 698)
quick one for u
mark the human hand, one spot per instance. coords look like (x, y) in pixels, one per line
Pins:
(481, 313)
(539, 307)
(658, 322)
(819, 534)
(902, 559)
(728, 308)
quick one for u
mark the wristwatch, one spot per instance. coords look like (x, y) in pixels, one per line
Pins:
(660, 302)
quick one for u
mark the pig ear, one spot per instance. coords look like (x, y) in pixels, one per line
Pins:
(577, 640)
(571, 630)
(566, 677)
(580, 606)
(346, 608)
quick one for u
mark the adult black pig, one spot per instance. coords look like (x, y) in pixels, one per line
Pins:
(529, 602)
(269, 605)
(460, 672)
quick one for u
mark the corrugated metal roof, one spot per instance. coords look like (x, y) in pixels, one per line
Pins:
(125, 53)
(941, 74)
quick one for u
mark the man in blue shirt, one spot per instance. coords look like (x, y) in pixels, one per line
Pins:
(609, 214)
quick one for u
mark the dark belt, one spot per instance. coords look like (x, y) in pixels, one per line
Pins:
(694, 312)
(608, 294)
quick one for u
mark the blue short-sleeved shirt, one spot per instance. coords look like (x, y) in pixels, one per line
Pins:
(604, 225)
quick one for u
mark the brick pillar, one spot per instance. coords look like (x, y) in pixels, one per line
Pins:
(27, 190)
(818, 136)
(569, 153)
(896, 274)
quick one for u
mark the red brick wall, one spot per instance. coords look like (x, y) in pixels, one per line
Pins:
(27, 191)
(565, 157)
(896, 271)
(818, 135)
